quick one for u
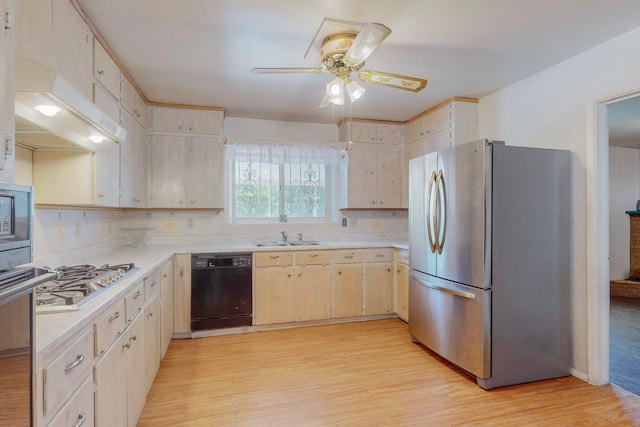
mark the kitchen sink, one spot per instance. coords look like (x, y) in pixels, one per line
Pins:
(272, 244)
(293, 243)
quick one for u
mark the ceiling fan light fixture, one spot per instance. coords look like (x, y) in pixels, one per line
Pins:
(335, 91)
(355, 91)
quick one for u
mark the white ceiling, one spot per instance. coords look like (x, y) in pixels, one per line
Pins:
(200, 52)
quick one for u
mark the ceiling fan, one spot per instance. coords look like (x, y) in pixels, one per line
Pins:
(343, 54)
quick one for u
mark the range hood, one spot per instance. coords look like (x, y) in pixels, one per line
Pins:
(76, 120)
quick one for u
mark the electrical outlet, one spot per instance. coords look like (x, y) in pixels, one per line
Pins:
(376, 224)
(344, 222)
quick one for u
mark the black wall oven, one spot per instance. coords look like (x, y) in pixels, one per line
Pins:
(221, 295)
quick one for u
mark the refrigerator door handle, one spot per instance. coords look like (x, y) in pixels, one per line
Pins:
(429, 212)
(440, 218)
(467, 295)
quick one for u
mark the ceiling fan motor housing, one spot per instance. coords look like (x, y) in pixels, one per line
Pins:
(334, 48)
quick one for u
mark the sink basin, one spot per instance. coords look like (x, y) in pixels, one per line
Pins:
(272, 244)
(292, 243)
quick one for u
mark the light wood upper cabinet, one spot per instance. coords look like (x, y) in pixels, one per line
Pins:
(7, 122)
(187, 120)
(134, 163)
(186, 172)
(72, 49)
(107, 175)
(133, 102)
(374, 176)
(370, 132)
(105, 70)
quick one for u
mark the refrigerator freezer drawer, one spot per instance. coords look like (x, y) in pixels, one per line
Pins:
(452, 320)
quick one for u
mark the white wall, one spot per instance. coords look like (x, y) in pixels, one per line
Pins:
(234, 126)
(624, 192)
(549, 110)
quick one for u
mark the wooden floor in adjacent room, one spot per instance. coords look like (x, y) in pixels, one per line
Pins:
(355, 374)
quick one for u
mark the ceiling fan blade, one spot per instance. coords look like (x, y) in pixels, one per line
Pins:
(412, 84)
(367, 40)
(288, 70)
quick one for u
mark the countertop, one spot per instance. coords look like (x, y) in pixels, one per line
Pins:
(54, 328)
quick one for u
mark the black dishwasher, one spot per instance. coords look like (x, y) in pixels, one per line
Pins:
(221, 294)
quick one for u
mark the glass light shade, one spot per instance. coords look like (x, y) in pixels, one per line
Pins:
(355, 91)
(335, 91)
(96, 139)
(47, 110)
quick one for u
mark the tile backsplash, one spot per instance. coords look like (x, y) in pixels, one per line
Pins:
(66, 237)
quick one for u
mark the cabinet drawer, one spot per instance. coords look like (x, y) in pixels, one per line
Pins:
(151, 284)
(272, 259)
(109, 326)
(62, 376)
(347, 256)
(134, 301)
(79, 409)
(377, 255)
(313, 258)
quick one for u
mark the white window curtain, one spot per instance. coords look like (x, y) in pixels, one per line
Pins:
(279, 151)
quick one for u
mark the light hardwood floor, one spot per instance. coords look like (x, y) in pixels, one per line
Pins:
(355, 374)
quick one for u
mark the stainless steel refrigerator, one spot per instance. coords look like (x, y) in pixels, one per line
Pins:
(489, 289)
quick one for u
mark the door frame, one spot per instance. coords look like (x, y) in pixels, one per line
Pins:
(597, 157)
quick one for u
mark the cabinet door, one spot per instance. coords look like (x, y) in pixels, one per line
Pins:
(312, 293)
(106, 102)
(135, 353)
(169, 119)
(166, 309)
(387, 177)
(363, 132)
(133, 102)
(378, 288)
(347, 290)
(72, 51)
(168, 171)
(274, 295)
(110, 375)
(107, 174)
(428, 145)
(204, 174)
(182, 294)
(152, 339)
(204, 121)
(388, 133)
(105, 70)
(402, 291)
(361, 181)
(128, 161)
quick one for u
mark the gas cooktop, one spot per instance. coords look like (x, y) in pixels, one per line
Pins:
(76, 286)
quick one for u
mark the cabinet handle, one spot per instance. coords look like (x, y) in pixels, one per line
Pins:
(340, 273)
(101, 195)
(388, 270)
(137, 199)
(155, 282)
(191, 202)
(150, 314)
(180, 127)
(274, 256)
(191, 128)
(313, 255)
(289, 275)
(115, 316)
(100, 71)
(348, 257)
(133, 338)
(165, 275)
(82, 417)
(77, 362)
(127, 345)
(137, 294)
(180, 202)
(378, 255)
(182, 271)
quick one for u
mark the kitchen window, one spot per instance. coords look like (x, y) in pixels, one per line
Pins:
(274, 181)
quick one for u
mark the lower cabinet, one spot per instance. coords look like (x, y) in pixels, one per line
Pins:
(312, 293)
(347, 283)
(401, 284)
(378, 279)
(153, 352)
(166, 309)
(274, 295)
(120, 379)
(182, 295)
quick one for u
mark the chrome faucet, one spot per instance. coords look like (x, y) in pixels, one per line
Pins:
(299, 237)
(284, 235)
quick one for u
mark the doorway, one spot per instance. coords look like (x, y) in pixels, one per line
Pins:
(623, 119)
